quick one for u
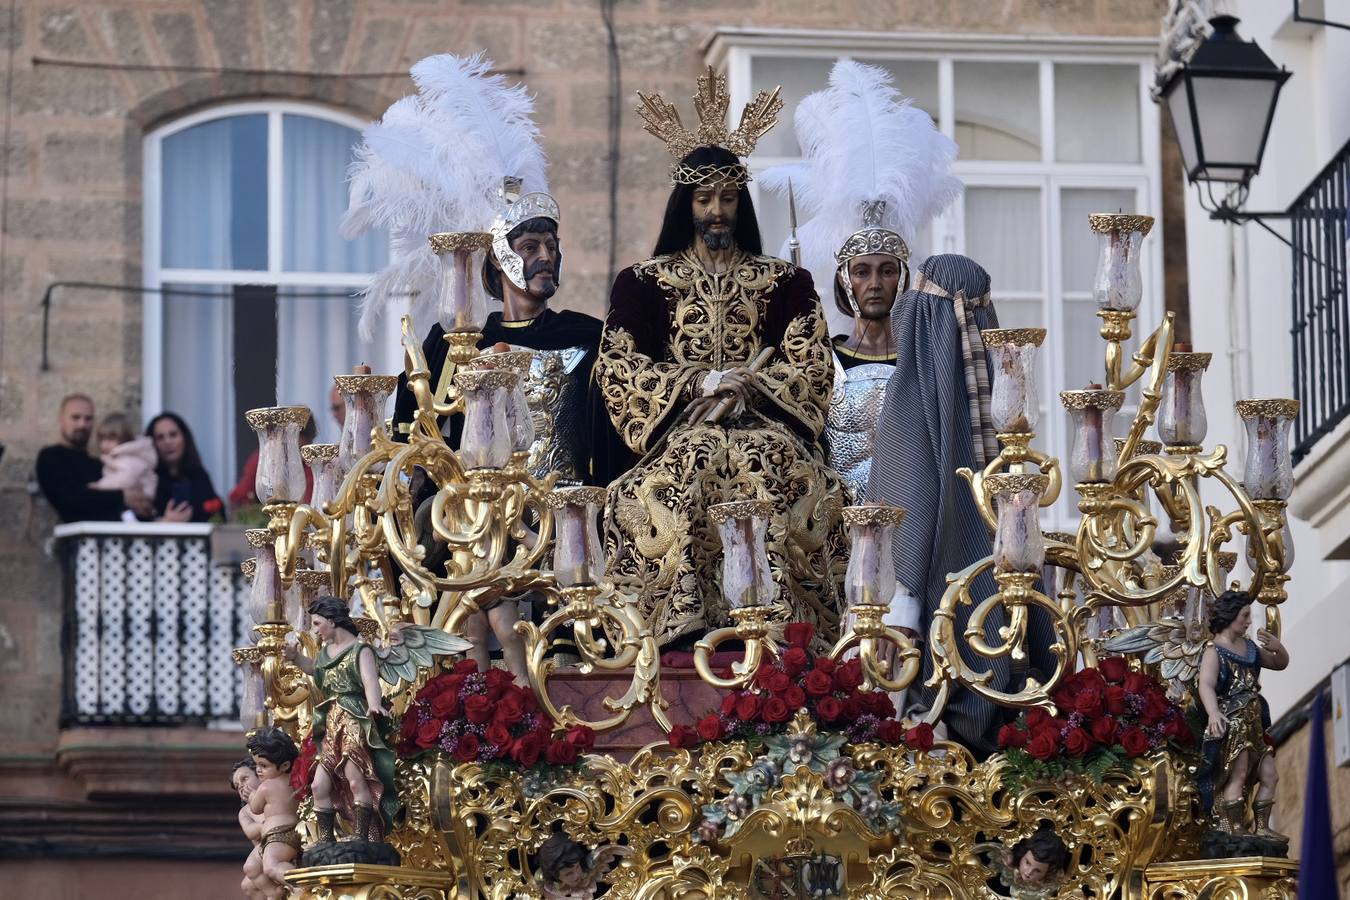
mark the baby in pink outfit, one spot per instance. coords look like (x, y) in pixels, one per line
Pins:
(128, 461)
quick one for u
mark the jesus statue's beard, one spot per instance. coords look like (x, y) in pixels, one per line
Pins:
(716, 240)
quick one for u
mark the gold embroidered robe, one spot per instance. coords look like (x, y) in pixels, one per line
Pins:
(670, 323)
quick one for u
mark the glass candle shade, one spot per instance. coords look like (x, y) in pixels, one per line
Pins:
(308, 586)
(746, 577)
(266, 595)
(870, 579)
(486, 441)
(365, 395)
(1014, 398)
(578, 554)
(1269, 471)
(1092, 457)
(1118, 284)
(322, 460)
(254, 699)
(281, 474)
(1181, 416)
(461, 298)
(1287, 538)
(1019, 545)
(519, 421)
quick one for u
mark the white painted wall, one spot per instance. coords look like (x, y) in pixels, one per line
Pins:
(1240, 289)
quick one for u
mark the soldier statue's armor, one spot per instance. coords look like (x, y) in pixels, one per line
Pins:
(855, 406)
(558, 408)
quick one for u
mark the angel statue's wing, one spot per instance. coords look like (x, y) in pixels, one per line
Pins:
(1164, 642)
(413, 647)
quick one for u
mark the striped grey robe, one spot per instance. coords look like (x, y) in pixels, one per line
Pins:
(924, 434)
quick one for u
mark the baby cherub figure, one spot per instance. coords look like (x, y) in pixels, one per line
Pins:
(244, 779)
(1034, 867)
(273, 801)
(568, 872)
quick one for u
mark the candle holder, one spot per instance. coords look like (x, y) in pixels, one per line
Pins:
(1117, 285)
(253, 700)
(281, 474)
(461, 299)
(267, 595)
(748, 588)
(324, 468)
(1269, 471)
(1014, 399)
(1182, 423)
(1093, 413)
(308, 586)
(1018, 543)
(869, 587)
(364, 395)
(578, 554)
(486, 440)
(519, 420)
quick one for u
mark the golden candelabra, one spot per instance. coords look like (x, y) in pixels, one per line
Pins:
(411, 531)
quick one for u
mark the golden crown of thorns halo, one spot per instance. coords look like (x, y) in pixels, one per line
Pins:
(711, 101)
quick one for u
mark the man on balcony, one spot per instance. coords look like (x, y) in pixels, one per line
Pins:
(65, 471)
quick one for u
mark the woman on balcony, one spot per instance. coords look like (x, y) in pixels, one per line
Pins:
(185, 492)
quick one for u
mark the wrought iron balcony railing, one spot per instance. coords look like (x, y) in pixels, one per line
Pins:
(150, 618)
(1321, 321)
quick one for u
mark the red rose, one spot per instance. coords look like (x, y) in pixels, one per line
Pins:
(710, 727)
(1134, 741)
(1044, 744)
(1177, 729)
(527, 749)
(466, 750)
(794, 697)
(795, 661)
(408, 730)
(849, 676)
(582, 737)
(1010, 736)
(466, 667)
(729, 704)
(920, 737)
(1037, 718)
(478, 709)
(778, 681)
(825, 664)
(776, 710)
(212, 506)
(682, 737)
(818, 683)
(528, 701)
(1104, 730)
(890, 732)
(879, 704)
(852, 708)
(498, 734)
(829, 709)
(445, 705)
(1114, 700)
(1087, 678)
(1113, 669)
(1156, 707)
(799, 634)
(429, 732)
(1088, 703)
(1064, 698)
(1077, 742)
(561, 753)
(509, 710)
(1137, 683)
(747, 707)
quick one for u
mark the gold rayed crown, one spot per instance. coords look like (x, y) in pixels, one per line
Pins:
(711, 102)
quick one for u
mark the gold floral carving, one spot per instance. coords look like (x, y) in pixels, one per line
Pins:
(576, 496)
(1188, 362)
(274, 416)
(739, 509)
(1269, 409)
(1092, 399)
(996, 337)
(315, 453)
(873, 514)
(1120, 223)
(999, 484)
(357, 384)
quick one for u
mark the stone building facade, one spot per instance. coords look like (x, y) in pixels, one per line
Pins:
(138, 812)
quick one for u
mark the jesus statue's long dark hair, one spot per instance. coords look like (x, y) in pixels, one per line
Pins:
(677, 229)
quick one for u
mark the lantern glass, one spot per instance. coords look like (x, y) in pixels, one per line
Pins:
(746, 577)
(486, 442)
(578, 554)
(870, 579)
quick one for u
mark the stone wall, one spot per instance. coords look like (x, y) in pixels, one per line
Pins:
(1292, 759)
(72, 190)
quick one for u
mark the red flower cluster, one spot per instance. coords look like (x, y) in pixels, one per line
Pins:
(487, 717)
(1108, 708)
(829, 692)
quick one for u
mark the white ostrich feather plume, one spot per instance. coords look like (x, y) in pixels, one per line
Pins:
(863, 141)
(435, 162)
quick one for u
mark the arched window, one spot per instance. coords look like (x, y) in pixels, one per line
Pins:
(255, 305)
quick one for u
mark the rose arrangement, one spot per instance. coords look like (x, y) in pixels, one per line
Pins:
(830, 693)
(1107, 716)
(215, 510)
(485, 717)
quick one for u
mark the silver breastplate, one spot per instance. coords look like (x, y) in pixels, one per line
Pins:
(855, 407)
(557, 402)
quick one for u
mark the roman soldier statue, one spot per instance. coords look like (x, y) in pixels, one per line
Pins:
(716, 369)
(876, 170)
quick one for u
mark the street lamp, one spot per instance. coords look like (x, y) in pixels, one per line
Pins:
(1222, 101)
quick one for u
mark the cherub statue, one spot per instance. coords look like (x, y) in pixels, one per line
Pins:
(244, 779)
(273, 801)
(568, 872)
(354, 769)
(1034, 867)
(1235, 747)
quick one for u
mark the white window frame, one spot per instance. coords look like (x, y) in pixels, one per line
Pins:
(155, 276)
(734, 49)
